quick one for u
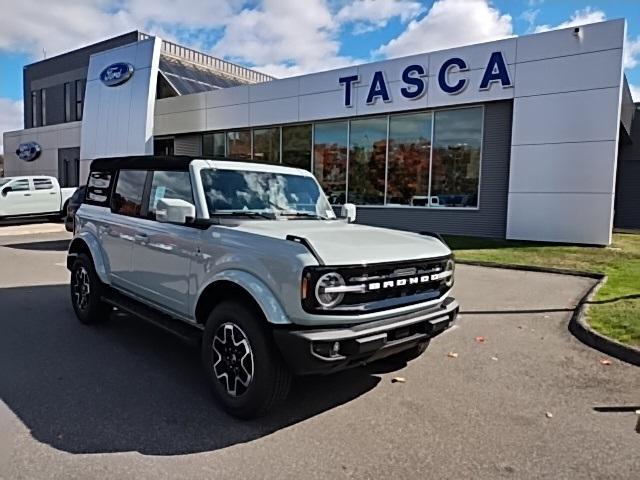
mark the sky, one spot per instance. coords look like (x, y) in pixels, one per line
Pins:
(289, 37)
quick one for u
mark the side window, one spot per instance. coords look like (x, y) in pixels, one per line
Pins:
(42, 183)
(169, 184)
(127, 199)
(98, 188)
(20, 185)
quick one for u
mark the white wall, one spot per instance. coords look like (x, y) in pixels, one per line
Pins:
(119, 120)
(50, 139)
(566, 116)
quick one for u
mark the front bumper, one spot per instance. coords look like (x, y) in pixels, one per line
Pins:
(310, 351)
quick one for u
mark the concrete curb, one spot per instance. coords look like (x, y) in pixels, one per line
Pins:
(578, 325)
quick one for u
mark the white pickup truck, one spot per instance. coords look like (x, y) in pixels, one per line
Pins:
(33, 196)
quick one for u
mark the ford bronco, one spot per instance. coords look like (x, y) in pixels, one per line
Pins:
(250, 261)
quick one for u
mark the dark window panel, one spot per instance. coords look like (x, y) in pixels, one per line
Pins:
(296, 146)
(367, 158)
(266, 145)
(330, 159)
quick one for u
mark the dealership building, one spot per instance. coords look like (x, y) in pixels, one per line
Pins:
(533, 137)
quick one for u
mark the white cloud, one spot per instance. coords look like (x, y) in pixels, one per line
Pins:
(530, 16)
(450, 23)
(284, 36)
(368, 15)
(68, 24)
(631, 53)
(635, 92)
(10, 117)
(579, 17)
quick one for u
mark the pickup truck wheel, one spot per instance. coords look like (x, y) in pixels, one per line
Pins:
(242, 364)
(86, 292)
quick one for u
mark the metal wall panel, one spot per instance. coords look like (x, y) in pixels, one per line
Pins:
(487, 221)
(188, 145)
(627, 202)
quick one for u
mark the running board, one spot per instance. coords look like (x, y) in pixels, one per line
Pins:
(189, 334)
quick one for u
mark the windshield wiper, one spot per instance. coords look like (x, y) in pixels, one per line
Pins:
(245, 213)
(303, 215)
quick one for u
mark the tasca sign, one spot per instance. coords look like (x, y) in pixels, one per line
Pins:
(28, 151)
(116, 74)
(451, 80)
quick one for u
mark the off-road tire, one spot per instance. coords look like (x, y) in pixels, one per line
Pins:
(88, 305)
(229, 323)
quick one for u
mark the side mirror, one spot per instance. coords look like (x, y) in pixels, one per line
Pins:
(174, 210)
(6, 190)
(349, 212)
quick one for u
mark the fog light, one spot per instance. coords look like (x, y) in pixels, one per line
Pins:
(327, 349)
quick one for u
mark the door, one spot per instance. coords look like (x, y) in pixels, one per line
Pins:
(45, 197)
(69, 167)
(119, 232)
(17, 200)
(162, 252)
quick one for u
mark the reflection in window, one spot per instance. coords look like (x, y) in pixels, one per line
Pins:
(266, 145)
(169, 185)
(409, 152)
(128, 195)
(296, 146)
(213, 144)
(368, 146)
(98, 187)
(239, 144)
(80, 85)
(455, 171)
(330, 159)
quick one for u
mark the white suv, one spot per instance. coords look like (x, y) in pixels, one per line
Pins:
(250, 261)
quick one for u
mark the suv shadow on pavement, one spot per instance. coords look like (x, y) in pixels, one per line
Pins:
(127, 386)
(47, 245)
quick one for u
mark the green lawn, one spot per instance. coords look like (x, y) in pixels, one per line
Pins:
(615, 311)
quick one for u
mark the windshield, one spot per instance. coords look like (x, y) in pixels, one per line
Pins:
(4, 181)
(264, 194)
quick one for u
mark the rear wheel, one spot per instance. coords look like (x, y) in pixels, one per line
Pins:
(86, 292)
(244, 368)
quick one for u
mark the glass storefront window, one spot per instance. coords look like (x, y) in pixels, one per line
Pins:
(367, 156)
(409, 154)
(296, 146)
(330, 159)
(239, 144)
(266, 145)
(455, 170)
(213, 144)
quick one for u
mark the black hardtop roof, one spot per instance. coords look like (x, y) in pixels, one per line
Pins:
(143, 162)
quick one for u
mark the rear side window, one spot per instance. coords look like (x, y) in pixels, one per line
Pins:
(42, 183)
(98, 188)
(127, 198)
(169, 184)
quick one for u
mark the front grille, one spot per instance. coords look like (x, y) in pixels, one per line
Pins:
(388, 285)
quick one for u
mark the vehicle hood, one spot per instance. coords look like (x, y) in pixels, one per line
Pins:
(341, 243)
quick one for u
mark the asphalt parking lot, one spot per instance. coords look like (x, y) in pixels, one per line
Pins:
(124, 400)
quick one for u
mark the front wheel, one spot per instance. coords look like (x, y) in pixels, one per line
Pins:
(244, 368)
(86, 292)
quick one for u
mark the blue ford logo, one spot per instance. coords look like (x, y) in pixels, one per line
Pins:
(116, 74)
(28, 151)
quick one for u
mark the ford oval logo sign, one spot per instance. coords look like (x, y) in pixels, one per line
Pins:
(116, 74)
(28, 151)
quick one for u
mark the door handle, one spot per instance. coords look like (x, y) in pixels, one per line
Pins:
(141, 237)
(27, 194)
(52, 193)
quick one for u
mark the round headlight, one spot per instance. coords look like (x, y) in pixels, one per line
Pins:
(329, 299)
(450, 267)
